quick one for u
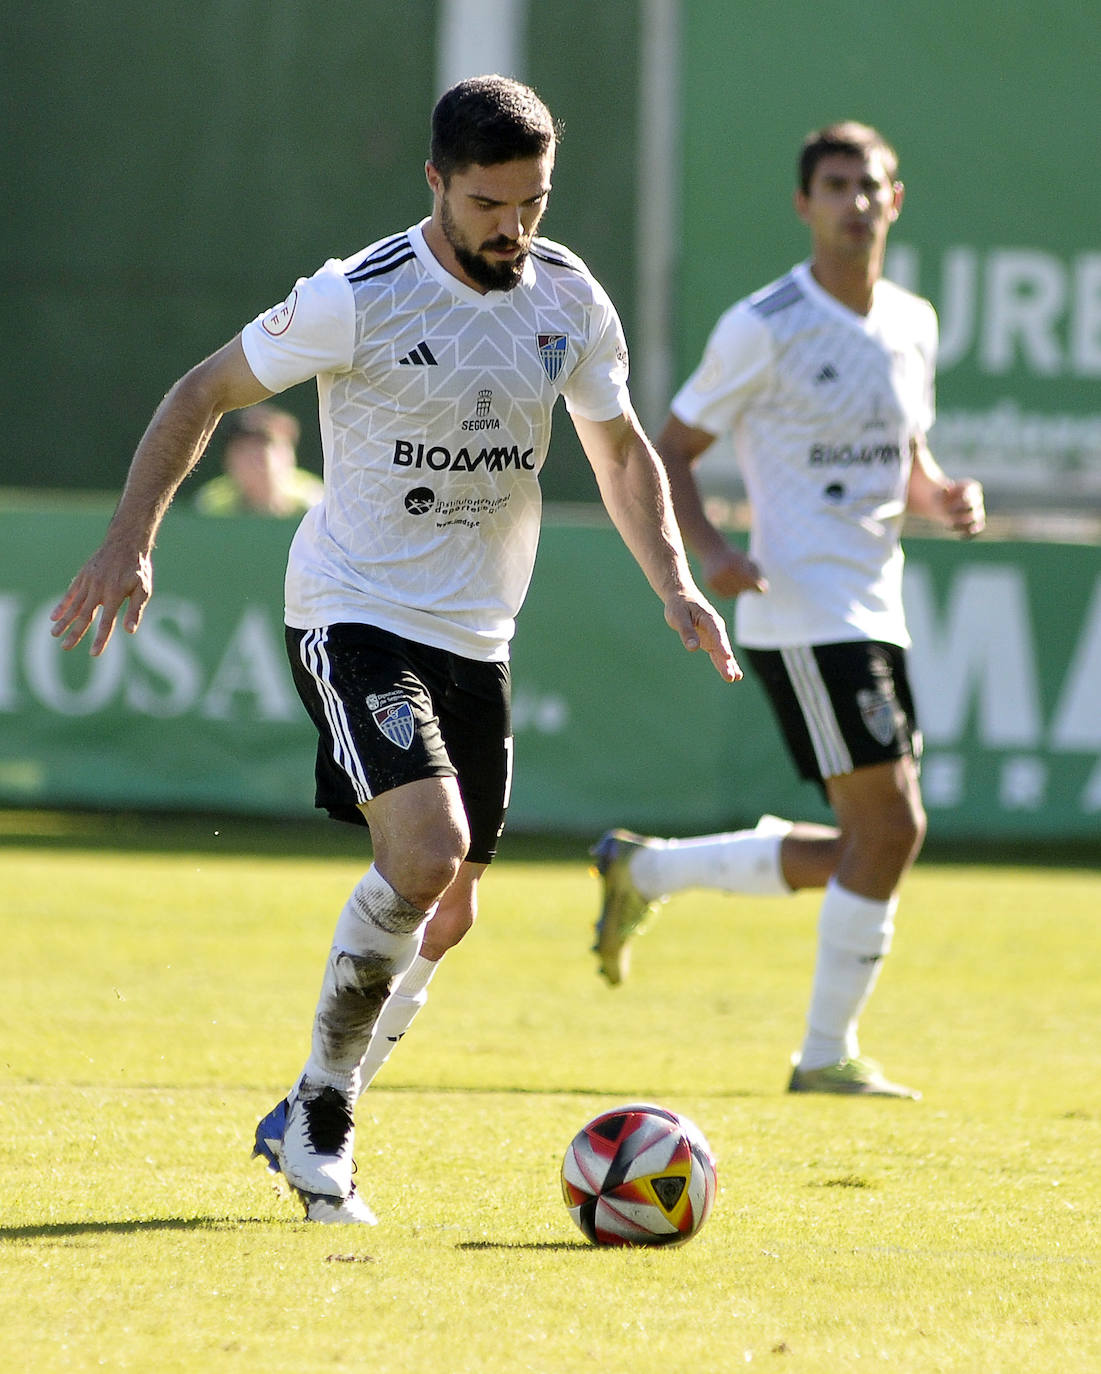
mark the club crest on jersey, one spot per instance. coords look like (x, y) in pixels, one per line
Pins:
(879, 713)
(552, 353)
(393, 715)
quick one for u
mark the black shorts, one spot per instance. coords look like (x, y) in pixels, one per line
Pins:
(840, 706)
(390, 711)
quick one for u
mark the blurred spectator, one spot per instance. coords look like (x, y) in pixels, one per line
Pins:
(261, 474)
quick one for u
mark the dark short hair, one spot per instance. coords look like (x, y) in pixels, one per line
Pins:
(847, 136)
(260, 421)
(487, 120)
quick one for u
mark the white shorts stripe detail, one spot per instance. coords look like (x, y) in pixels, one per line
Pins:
(316, 662)
(508, 772)
(830, 750)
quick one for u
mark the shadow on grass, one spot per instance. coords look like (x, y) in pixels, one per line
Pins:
(212, 834)
(319, 838)
(64, 1230)
(525, 1245)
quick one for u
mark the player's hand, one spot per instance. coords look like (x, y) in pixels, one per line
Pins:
(106, 581)
(730, 572)
(701, 627)
(963, 507)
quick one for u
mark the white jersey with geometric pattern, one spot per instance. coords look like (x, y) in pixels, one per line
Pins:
(822, 404)
(435, 405)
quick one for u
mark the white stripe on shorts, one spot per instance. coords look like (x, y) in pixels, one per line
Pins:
(315, 660)
(830, 749)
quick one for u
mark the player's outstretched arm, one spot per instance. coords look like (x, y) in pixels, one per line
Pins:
(635, 492)
(120, 572)
(726, 569)
(955, 503)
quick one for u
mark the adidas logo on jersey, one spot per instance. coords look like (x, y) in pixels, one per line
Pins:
(827, 373)
(421, 356)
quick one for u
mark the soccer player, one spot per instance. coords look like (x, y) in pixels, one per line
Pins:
(824, 380)
(439, 353)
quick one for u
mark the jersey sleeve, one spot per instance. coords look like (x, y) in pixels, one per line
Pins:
(311, 332)
(735, 366)
(597, 387)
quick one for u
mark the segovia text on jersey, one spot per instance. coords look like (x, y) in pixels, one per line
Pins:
(440, 459)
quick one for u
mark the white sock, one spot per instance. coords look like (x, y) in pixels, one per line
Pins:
(396, 1017)
(377, 937)
(854, 935)
(745, 861)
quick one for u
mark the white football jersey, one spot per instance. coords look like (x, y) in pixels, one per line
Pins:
(435, 404)
(821, 404)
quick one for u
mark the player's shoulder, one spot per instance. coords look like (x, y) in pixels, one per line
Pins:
(783, 294)
(556, 256)
(379, 259)
(907, 310)
(897, 297)
(567, 274)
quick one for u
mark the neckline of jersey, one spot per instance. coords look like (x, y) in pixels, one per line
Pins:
(818, 293)
(488, 300)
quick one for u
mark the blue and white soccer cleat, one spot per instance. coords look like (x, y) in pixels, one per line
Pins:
(269, 1133)
(321, 1128)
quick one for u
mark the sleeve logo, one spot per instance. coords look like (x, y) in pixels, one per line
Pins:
(278, 321)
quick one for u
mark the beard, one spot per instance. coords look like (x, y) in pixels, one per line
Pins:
(493, 276)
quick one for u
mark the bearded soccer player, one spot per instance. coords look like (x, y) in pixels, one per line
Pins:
(439, 353)
(824, 381)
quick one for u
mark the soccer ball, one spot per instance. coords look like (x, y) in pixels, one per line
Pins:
(639, 1175)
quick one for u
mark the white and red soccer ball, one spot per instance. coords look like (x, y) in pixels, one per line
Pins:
(639, 1175)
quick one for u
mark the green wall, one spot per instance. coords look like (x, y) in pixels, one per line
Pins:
(171, 170)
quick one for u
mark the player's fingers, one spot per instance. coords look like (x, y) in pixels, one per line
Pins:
(712, 636)
(726, 665)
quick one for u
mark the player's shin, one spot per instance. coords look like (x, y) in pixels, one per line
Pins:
(408, 997)
(854, 936)
(376, 940)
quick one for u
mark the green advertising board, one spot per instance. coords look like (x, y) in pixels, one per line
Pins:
(615, 724)
(991, 109)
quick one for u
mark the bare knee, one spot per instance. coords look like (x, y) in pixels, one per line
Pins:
(882, 825)
(455, 915)
(881, 847)
(424, 875)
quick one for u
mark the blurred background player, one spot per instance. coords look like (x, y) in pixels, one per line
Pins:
(824, 381)
(260, 472)
(402, 588)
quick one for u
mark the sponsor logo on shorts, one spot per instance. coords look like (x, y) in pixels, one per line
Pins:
(880, 714)
(393, 715)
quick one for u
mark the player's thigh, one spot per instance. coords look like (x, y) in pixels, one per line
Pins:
(368, 693)
(840, 707)
(878, 798)
(419, 836)
(476, 723)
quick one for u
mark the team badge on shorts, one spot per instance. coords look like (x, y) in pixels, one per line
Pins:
(552, 353)
(880, 714)
(394, 717)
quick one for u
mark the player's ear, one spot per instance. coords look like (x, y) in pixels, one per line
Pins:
(899, 192)
(434, 179)
(799, 200)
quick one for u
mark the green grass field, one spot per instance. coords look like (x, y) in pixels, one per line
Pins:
(155, 998)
